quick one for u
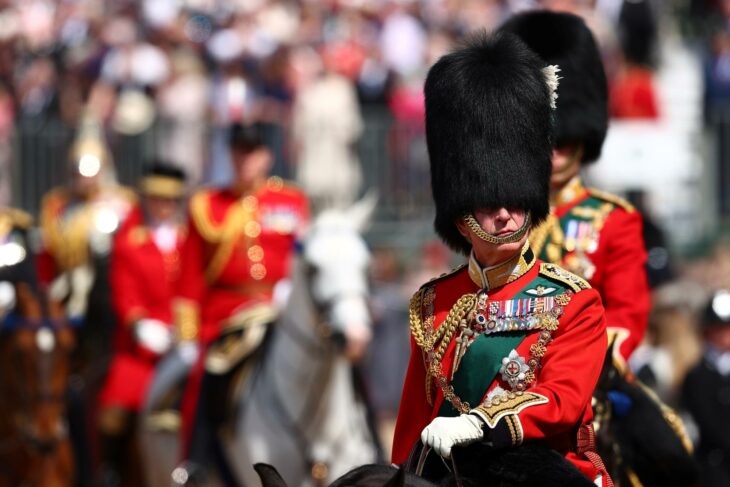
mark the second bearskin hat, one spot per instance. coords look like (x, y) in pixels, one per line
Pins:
(565, 40)
(488, 131)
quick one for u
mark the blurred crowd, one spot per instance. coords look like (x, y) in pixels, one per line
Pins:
(189, 68)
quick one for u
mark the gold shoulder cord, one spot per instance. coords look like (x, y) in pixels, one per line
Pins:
(426, 339)
(200, 213)
(230, 232)
(225, 235)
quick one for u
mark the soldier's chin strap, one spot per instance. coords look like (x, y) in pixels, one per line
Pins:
(516, 236)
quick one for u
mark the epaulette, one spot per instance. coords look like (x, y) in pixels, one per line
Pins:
(443, 276)
(18, 218)
(611, 198)
(557, 273)
(55, 196)
(126, 193)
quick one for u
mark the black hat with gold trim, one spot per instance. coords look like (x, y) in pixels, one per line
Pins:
(488, 131)
(163, 180)
(581, 117)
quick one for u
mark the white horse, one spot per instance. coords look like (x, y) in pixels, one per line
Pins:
(300, 411)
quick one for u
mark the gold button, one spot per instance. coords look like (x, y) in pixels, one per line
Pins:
(275, 183)
(258, 271)
(256, 253)
(250, 203)
(253, 229)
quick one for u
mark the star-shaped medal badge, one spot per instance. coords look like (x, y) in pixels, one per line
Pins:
(513, 369)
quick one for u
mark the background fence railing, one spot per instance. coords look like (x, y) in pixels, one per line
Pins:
(392, 155)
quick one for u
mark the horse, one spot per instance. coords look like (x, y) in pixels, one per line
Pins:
(35, 449)
(299, 408)
(525, 466)
(641, 440)
(364, 476)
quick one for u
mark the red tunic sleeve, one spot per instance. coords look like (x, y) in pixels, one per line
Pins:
(414, 412)
(624, 287)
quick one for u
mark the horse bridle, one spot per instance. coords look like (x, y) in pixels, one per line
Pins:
(43, 396)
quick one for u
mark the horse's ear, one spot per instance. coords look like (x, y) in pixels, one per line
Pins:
(398, 480)
(361, 212)
(269, 475)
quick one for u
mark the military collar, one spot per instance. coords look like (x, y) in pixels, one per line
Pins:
(573, 190)
(496, 276)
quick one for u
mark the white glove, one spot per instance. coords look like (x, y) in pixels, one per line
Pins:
(444, 433)
(153, 335)
(188, 351)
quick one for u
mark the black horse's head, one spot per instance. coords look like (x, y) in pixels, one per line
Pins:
(364, 476)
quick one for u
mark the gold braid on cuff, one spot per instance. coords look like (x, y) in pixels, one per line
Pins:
(511, 238)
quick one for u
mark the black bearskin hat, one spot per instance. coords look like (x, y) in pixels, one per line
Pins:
(488, 131)
(564, 39)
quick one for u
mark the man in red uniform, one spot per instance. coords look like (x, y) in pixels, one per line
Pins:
(240, 246)
(77, 225)
(78, 222)
(590, 233)
(145, 267)
(506, 349)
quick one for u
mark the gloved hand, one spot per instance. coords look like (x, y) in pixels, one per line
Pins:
(444, 433)
(188, 351)
(154, 335)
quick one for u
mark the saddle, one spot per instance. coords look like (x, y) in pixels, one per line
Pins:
(478, 464)
(240, 337)
(231, 358)
(228, 365)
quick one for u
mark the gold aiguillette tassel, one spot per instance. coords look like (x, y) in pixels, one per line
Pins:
(462, 344)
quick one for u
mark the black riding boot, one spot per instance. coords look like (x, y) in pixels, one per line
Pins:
(205, 452)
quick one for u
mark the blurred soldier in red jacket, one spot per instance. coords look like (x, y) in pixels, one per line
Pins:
(77, 225)
(145, 267)
(240, 244)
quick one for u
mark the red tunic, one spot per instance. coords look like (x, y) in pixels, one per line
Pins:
(237, 250)
(599, 237)
(143, 281)
(633, 95)
(554, 406)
